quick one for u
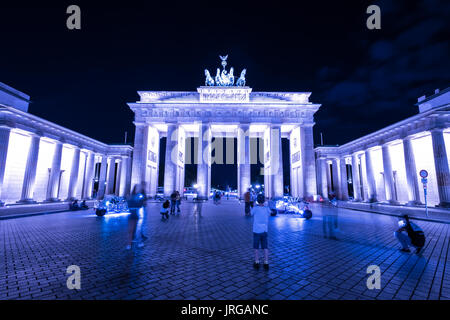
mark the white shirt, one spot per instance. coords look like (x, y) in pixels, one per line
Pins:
(260, 218)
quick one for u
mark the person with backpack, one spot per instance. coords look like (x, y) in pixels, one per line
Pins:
(409, 234)
(165, 210)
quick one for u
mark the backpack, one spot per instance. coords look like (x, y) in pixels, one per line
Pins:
(417, 236)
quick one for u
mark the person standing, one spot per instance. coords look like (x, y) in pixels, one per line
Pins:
(173, 202)
(142, 223)
(178, 201)
(252, 198)
(247, 200)
(260, 215)
(135, 203)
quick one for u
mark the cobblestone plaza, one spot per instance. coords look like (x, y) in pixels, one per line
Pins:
(206, 253)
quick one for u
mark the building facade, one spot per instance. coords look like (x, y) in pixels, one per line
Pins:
(385, 166)
(44, 162)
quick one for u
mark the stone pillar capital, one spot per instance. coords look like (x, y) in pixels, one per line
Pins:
(437, 130)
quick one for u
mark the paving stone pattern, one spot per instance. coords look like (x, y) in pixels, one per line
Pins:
(207, 254)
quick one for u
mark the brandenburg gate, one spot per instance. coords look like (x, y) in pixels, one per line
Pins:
(227, 108)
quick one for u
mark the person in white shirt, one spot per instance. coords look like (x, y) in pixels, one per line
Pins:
(260, 215)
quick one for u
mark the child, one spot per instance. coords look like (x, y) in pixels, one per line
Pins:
(165, 210)
(260, 215)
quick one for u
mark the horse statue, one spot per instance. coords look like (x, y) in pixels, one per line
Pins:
(241, 81)
(231, 77)
(209, 81)
(218, 78)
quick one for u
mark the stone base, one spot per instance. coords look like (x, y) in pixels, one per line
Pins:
(26, 201)
(443, 205)
(52, 200)
(414, 203)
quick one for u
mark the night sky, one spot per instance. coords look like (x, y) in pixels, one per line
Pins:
(364, 79)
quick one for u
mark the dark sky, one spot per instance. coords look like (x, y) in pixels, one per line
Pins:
(364, 79)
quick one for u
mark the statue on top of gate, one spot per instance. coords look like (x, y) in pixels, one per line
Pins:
(223, 78)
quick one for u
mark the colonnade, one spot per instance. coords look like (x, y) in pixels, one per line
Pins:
(356, 172)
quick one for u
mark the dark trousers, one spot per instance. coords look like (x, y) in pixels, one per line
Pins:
(172, 206)
(247, 208)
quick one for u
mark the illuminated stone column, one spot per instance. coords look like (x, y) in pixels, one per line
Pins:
(102, 178)
(127, 176)
(29, 178)
(170, 168)
(370, 177)
(388, 175)
(441, 166)
(55, 173)
(308, 161)
(73, 181)
(139, 164)
(328, 171)
(276, 161)
(118, 177)
(323, 178)
(243, 157)
(111, 175)
(204, 161)
(336, 178)
(344, 179)
(89, 177)
(5, 132)
(266, 156)
(355, 178)
(412, 185)
(152, 161)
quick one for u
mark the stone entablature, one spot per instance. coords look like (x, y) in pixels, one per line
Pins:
(413, 126)
(251, 97)
(16, 119)
(261, 107)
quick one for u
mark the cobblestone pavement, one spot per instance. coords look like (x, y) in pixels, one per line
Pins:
(207, 254)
